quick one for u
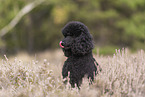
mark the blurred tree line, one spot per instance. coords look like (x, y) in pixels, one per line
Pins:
(113, 23)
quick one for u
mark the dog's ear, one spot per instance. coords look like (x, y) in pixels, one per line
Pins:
(82, 45)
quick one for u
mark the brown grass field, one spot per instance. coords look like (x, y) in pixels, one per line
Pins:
(39, 75)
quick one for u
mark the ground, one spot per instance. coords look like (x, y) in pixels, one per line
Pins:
(39, 75)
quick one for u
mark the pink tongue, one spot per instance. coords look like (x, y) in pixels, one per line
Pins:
(60, 44)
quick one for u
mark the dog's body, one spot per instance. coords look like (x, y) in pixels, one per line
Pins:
(78, 69)
(77, 46)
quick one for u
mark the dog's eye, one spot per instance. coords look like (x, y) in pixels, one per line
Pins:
(68, 34)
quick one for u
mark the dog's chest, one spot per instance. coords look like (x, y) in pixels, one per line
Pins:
(78, 65)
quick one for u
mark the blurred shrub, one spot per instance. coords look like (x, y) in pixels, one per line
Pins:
(117, 23)
(106, 50)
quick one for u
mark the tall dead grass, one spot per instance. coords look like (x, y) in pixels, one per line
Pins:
(123, 75)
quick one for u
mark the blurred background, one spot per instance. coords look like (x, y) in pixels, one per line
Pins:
(35, 25)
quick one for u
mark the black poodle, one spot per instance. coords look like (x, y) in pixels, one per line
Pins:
(77, 45)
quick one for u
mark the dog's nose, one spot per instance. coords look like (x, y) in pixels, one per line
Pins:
(61, 44)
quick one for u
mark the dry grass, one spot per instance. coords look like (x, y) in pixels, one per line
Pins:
(123, 75)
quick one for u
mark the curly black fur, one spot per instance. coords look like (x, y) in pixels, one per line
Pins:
(77, 46)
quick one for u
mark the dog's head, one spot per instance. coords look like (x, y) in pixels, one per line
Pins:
(77, 39)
